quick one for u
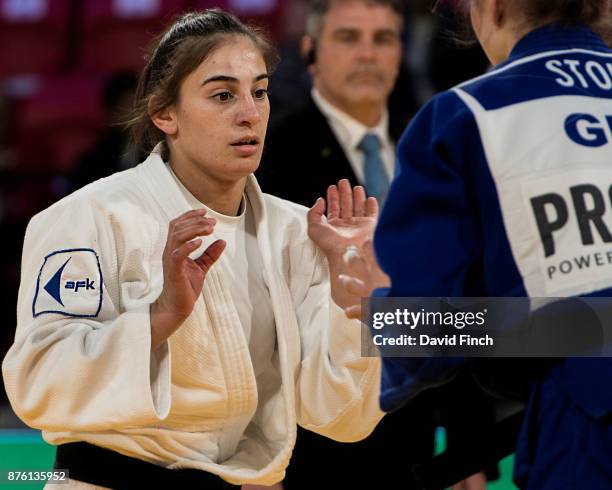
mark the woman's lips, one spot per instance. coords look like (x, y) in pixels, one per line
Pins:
(246, 149)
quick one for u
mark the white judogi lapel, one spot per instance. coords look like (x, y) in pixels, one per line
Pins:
(225, 322)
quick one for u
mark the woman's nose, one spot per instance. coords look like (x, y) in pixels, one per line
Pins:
(248, 113)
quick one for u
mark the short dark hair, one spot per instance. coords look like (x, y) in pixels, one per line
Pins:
(319, 8)
(177, 52)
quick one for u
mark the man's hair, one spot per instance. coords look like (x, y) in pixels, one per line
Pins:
(319, 8)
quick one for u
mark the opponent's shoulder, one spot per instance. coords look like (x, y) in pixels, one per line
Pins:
(547, 74)
(446, 116)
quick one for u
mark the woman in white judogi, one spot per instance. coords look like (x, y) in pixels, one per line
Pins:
(175, 315)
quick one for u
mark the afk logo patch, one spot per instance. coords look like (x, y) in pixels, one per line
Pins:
(69, 283)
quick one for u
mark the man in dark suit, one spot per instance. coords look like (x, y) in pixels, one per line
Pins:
(353, 50)
(302, 148)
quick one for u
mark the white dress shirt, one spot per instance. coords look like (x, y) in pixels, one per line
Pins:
(349, 132)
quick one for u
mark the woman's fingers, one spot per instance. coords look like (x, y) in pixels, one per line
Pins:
(183, 228)
(333, 202)
(197, 220)
(180, 253)
(371, 207)
(346, 199)
(191, 221)
(315, 213)
(354, 285)
(359, 201)
(189, 233)
(211, 254)
(194, 213)
(353, 312)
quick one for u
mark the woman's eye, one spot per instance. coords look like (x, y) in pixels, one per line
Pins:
(224, 96)
(261, 93)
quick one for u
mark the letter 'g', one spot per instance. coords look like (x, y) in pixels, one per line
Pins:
(586, 130)
(377, 320)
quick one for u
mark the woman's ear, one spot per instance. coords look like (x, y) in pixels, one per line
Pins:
(499, 12)
(308, 50)
(164, 119)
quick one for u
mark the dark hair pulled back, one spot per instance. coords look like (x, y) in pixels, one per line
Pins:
(175, 53)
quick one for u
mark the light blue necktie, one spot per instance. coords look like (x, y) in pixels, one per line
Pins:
(376, 180)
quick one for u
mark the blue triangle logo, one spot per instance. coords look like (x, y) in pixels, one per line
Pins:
(53, 286)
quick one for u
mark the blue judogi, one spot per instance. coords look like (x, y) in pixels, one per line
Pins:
(504, 188)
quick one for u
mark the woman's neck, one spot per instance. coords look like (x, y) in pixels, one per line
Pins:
(224, 197)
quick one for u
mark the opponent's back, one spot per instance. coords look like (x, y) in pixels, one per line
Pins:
(545, 123)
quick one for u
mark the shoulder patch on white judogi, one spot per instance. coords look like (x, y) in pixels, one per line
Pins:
(69, 283)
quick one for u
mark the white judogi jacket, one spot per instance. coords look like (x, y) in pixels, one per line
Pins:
(81, 367)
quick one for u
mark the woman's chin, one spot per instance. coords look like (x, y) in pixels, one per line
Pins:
(239, 168)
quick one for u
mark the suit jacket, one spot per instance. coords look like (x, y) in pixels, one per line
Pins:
(302, 156)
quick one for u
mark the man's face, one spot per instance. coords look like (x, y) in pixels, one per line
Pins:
(357, 54)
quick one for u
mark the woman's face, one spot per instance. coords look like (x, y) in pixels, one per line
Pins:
(218, 124)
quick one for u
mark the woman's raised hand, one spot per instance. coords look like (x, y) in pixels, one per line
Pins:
(350, 222)
(183, 276)
(351, 219)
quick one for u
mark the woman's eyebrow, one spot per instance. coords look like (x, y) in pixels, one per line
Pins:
(227, 78)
